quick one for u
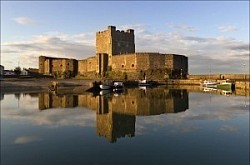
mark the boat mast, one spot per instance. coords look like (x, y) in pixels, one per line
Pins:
(209, 72)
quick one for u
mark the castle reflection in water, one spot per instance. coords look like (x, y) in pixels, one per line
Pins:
(116, 115)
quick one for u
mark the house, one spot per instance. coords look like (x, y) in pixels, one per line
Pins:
(9, 72)
(24, 72)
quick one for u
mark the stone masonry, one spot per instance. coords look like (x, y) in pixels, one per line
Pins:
(115, 51)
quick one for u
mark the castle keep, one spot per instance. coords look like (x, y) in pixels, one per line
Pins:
(115, 118)
(115, 52)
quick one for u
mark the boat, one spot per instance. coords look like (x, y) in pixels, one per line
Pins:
(226, 92)
(208, 89)
(209, 84)
(104, 87)
(225, 85)
(118, 86)
(143, 88)
(145, 82)
(104, 92)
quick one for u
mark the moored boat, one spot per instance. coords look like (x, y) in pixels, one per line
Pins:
(104, 87)
(226, 92)
(145, 82)
(207, 89)
(118, 85)
(209, 83)
(225, 85)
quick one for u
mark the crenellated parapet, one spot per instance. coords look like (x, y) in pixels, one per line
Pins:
(115, 51)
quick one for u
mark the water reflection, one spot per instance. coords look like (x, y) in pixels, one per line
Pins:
(116, 116)
(43, 128)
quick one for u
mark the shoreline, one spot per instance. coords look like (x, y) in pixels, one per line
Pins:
(15, 85)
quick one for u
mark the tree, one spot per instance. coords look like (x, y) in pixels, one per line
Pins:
(17, 70)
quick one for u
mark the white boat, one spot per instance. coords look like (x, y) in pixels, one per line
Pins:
(209, 83)
(143, 88)
(226, 93)
(118, 85)
(104, 87)
(104, 92)
(145, 82)
(208, 89)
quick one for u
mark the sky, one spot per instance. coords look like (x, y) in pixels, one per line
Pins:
(214, 35)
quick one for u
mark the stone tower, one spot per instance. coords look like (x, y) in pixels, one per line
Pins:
(42, 64)
(114, 42)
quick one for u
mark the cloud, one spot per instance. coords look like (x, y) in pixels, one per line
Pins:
(28, 110)
(239, 47)
(203, 108)
(197, 39)
(224, 53)
(227, 28)
(26, 139)
(24, 21)
(78, 46)
(183, 27)
(229, 128)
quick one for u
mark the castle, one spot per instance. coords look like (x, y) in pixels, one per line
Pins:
(115, 52)
(115, 118)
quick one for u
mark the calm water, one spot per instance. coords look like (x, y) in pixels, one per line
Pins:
(152, 126)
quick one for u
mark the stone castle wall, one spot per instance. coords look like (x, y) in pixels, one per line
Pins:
(51, 65)
(82, 66)
(124, 62)
(112, 41)
(115, 51)
(87, 65)
(145, 61)
(103, 42)
(135, 102)
(102, 63)
(138, 61)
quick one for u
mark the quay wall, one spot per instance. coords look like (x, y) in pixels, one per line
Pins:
(221, 76)
(242, 85)
(181, 82)
(238, 84)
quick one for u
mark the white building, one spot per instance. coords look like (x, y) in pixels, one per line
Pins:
(24, 72)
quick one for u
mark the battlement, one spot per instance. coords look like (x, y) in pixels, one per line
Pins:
(115, 51)
(113, 42)
(112, 29)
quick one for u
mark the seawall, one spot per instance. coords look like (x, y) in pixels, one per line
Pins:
(238, 83)
(221, 76)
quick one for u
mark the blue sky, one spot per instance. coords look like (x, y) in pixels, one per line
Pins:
(212, 34)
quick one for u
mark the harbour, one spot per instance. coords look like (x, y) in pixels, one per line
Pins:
(125, 83)
(178, 120)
